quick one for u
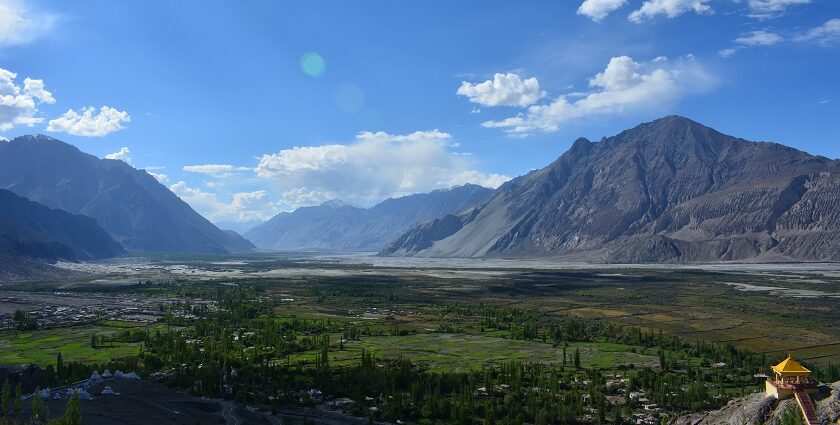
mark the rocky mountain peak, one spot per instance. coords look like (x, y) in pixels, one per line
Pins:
(336, 203)
(41, 143)
(668, 190)
(37, 137)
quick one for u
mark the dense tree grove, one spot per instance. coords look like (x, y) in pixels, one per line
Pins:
(24, 321)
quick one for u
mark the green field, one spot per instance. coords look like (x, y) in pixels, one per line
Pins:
(41, 346)
(459, 352)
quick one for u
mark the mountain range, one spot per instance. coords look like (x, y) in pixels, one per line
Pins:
(131, 205)
(337, 226)
(37, 232)
(671, 190)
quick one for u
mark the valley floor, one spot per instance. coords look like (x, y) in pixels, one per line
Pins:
(467, 317)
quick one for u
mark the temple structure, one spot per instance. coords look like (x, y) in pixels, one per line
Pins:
(791, 379)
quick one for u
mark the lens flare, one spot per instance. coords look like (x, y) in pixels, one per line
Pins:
(313, 64)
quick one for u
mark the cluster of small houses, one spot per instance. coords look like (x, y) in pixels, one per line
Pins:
(372, 313)
(50, 315)
(648, 414)
(83, 388)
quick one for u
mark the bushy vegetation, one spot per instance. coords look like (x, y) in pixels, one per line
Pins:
(24, 321)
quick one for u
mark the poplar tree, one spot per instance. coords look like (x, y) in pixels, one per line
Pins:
(18, 403)
(564, 355)
(73, 413)
(59, 365)
(5, 398)
(36, 405)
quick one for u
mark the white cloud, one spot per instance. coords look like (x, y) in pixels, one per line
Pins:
(301, 197)
(476, 177)
(160, 177)
(19, 105)
(251, 205)
(19, 26)
(215, 170)
(243, 206)
(758, 38)
(373, 167)
(503, 90)
(124, 155)
(599, 9)
(752, 39)
(3, 139)
(825, 34)
(669, 8)
(770, 8)
(727, 52)
(35, 88)
(624, 86)
(89, 123)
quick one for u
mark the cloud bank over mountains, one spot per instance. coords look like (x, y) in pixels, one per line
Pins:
(372, 167)
(384, 164)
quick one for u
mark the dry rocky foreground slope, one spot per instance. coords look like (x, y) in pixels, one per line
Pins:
(759, 409)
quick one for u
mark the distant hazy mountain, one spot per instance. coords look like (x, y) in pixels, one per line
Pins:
(669, 190)
(240, 227)
(338, 226)
(35, 232)
(131, 205)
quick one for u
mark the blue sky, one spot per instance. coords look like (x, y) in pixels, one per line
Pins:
(251, 108)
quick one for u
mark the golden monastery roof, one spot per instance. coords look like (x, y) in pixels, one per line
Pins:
(789, 365)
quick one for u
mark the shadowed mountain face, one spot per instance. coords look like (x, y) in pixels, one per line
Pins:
(337, 226)
(36, 232)
(669, 190)
(131, 205)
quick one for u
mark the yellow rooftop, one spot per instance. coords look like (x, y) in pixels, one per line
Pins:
(790, 366)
